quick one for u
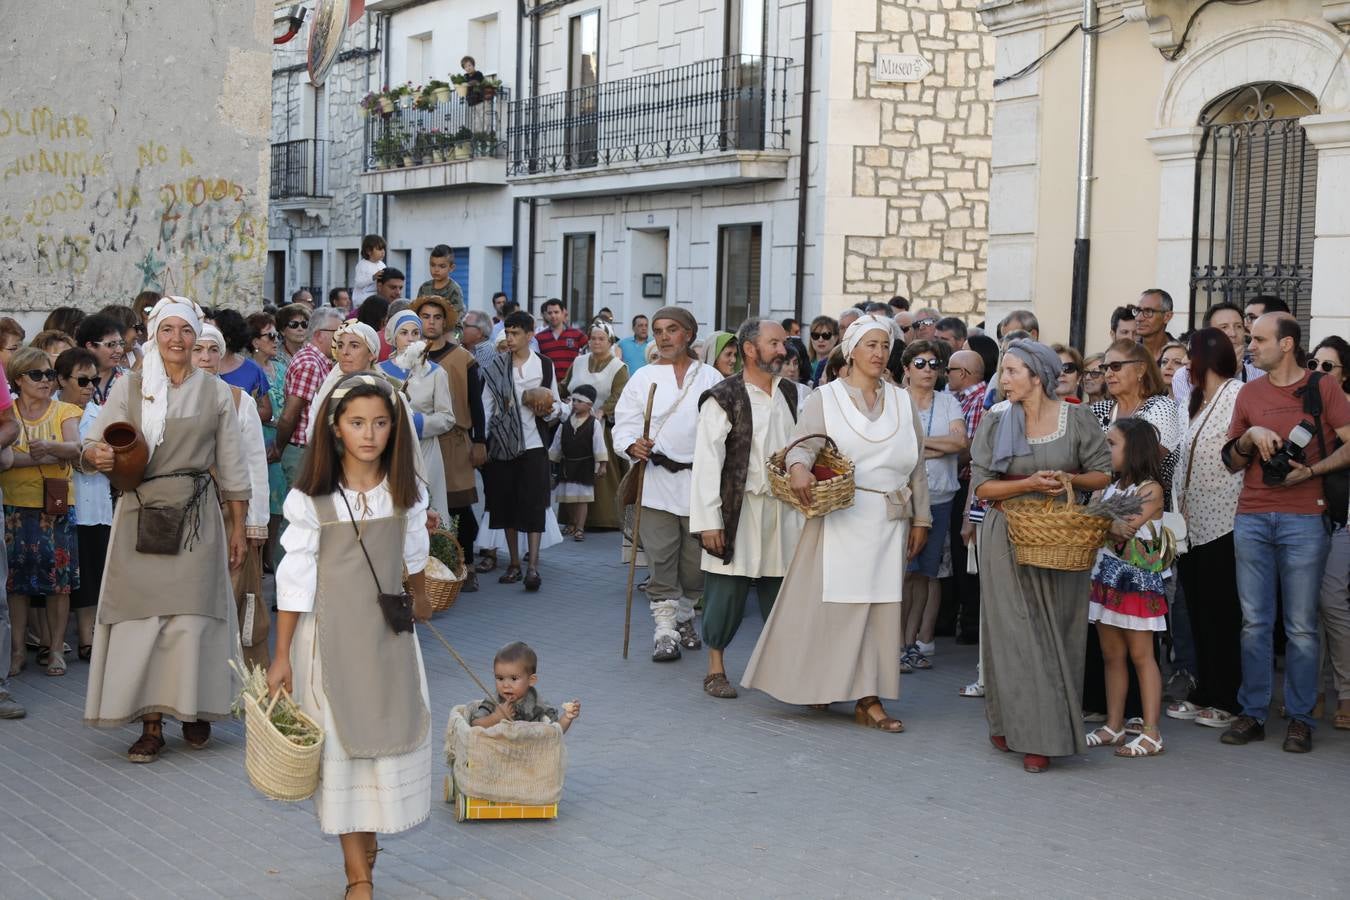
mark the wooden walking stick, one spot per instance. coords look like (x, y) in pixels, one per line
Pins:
(637, 521)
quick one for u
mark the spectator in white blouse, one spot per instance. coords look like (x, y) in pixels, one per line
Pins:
(1208, 496)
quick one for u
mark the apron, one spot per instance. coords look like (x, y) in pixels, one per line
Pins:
(192, 582)
(370, 678)
(864, 552)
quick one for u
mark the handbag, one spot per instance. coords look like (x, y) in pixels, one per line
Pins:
(160, 525)
(55, 496)
(396, 608)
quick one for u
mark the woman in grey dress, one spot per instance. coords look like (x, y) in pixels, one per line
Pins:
(1033, 632)
(166, 626)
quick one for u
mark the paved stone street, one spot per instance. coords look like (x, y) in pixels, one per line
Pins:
(670, 793)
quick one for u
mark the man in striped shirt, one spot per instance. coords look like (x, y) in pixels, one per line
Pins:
(559, 341)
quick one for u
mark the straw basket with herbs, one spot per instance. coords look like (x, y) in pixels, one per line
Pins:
(833, 472)
(445, 571)
(282, 745)
(1062, 535)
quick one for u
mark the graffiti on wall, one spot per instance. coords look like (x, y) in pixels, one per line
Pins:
(83, 226)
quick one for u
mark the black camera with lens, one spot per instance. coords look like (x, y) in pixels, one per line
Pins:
(1276, 469)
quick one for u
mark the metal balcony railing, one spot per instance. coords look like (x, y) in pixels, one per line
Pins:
(455, 129)
(711, 106)
(299, 169)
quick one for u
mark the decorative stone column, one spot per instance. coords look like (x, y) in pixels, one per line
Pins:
(1177, 149)
(1330, 313)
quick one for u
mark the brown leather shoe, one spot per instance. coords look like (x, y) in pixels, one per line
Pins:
(1298, 739)
(197, 734)
(716, 685)
(146, 749)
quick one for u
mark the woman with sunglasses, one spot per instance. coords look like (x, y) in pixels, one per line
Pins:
(823, 337)
(39, 531)
(1331, 357)
(265, 350)
(1069, 388)
(1094, 378)
(293, 329)
(944, 437)
(77, 373)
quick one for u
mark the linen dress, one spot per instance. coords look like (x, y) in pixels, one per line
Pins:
(385, 794)
(813, 650)
(428, 392)
(609, 382)
(167, 626)
(1034, 625)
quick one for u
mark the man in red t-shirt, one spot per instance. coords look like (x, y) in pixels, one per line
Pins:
(559, 341)
(1279, 533)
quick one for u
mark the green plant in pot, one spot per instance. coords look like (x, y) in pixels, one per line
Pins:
(438, 91)
(461, 84)
(463, 142)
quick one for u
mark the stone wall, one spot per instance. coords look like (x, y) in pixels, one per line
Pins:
(932, 162)
(134, 154)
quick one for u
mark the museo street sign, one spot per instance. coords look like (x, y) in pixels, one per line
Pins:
(900, 68)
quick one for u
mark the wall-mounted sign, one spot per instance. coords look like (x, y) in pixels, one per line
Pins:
(653, 285)
(900, 68)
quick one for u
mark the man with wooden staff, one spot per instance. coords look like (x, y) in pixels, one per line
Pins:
(676, 582)
(748, 535)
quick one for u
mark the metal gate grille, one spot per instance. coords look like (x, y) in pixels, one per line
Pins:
(1256, 188)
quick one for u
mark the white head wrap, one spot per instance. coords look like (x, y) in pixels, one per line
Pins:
(154, 379)
(863, 324)
(211, 334)
(397, 321)
(362, 330)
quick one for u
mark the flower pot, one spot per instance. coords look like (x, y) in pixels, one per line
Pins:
(406, 101)
(440, 94)
(462, 150)
(462, 89)
(408, 160)
(130, 455)
(438, 156)
(386, 105)
(489, 92)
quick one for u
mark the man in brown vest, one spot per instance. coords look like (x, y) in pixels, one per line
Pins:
(464, 447)
(748, 535)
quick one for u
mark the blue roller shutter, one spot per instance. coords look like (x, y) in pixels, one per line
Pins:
(461, 273)
(508, 276)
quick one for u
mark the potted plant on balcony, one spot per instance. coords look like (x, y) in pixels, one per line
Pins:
(424, 147)
(403, 94)
(463, 147)
(373, 103)
(484, 143)
(387, 149)
(489, 86)
(461, 84)
(439, 91)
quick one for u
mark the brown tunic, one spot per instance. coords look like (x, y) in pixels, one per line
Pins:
(456, 444)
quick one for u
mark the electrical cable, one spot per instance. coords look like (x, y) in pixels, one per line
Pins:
(1038, 61)
(1175, 53)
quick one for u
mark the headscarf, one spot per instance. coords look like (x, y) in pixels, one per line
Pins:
(397, 321)
(154, 378)
(361, 330)
(335, 374)
(861, 326)
(684, 318)
(715, 344)
(211, 334)
(1010, 441)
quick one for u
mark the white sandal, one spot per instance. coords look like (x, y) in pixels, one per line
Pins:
(1213, 717)
(1113, 739)
(1184, 710)
(1134, 724)
(1138, 747)
(974, 689)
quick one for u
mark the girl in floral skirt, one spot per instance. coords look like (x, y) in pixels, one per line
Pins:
(1128, 599)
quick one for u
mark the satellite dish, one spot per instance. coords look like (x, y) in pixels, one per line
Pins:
(326, 31)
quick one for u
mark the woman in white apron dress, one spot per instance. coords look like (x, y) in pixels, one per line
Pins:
(834, 633)
(356, 520)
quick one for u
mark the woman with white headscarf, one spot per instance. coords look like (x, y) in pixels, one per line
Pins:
(166, 618)
(254, 617)
(1034, 631)
(427, 389)
(834, 633)
(604, 370)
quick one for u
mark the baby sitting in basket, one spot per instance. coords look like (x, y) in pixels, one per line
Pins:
(517, 701)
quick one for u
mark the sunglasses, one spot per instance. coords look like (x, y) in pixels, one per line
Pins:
(1143, 312)
(1120, 364)
(925, 323)
(1325, 365)
(111, 345)
(1069, 368)
(298, 323)
(821, 335)
(1092, 374)
(85, 380)
(39, 374)
(921, 363)
(268, 336)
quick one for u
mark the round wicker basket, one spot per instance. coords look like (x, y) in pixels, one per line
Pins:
(443, 592)
(277, 766)
(1048, 534)
(827, 495)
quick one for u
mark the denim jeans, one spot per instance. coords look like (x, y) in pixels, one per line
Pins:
(1289, 550)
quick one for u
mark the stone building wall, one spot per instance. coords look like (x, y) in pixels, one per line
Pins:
(932, 162)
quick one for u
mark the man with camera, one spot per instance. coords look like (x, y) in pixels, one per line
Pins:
(1283, 435)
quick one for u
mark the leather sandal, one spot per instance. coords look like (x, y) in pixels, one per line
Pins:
(371, 856)
(863, 716)
(486, 563)
(510, 576)
(533, 581)
(86, 652)
(146, 749)
(197, 734)
(716, 685)
(355, 883)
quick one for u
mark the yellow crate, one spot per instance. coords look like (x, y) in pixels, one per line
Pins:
(475, 808)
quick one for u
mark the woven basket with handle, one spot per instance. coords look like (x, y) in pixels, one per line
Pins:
(1050, 534)
(828, 494)
(277, 765)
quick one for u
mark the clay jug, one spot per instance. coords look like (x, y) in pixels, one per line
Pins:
(130, 454)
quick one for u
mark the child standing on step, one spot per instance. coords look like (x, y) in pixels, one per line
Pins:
(1128, 601)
